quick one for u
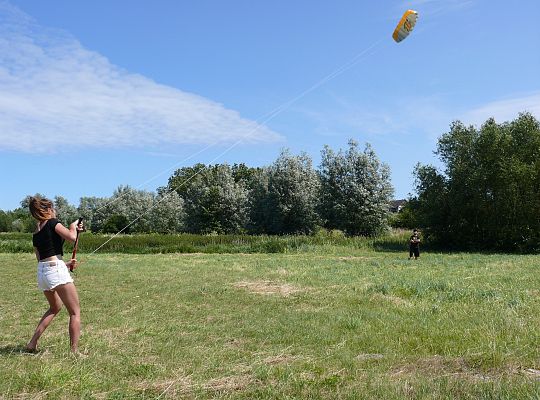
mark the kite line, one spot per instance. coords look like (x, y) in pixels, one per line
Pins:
(362, 55)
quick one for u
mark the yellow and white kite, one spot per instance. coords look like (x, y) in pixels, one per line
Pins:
(405, 26)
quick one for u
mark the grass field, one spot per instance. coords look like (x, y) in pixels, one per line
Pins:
(346, 323)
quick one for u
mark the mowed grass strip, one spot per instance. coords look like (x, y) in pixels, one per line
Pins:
(272, 326)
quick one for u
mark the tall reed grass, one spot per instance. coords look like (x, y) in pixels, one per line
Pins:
(189, 243)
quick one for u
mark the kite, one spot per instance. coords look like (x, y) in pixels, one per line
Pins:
(405, 25)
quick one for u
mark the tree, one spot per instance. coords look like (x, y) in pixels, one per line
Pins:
(214, 202)
(248, 175)
(355, 191)
(17, 225)
(293, 188)
(405, 218)
(116, 223)
(65, 212)
(259, 221)
(487, 195)
(135, 205)
(167, 214)
(5, 222)
(183, 179)
(430, 208)
(94, 211)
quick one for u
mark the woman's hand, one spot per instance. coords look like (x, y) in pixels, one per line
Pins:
(72, 264)
(78, 226)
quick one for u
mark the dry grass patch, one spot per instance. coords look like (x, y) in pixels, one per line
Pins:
(268, 288)
(280, 359)
(228, 383)
(432, 365)
(170, 388)
(439, 366)
(28, 396)
(388, 298)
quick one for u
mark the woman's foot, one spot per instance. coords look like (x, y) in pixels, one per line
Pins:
(30, 349)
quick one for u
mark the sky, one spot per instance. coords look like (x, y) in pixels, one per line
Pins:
(94, 95)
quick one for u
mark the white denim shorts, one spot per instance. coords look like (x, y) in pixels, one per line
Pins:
(50, 274)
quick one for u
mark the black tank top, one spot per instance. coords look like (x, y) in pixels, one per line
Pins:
(47, 241)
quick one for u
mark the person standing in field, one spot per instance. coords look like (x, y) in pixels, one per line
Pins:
(414, 245)
(53, 277)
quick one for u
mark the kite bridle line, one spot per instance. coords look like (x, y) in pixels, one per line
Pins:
(270, 116)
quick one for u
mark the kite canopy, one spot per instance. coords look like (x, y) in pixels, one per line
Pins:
(405, 26)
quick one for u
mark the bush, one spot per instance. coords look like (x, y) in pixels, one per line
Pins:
(116, 223)
(403, 219)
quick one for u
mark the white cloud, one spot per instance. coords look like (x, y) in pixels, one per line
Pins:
(504, 110)
(55, 94)
(390, 119)
(428, 116)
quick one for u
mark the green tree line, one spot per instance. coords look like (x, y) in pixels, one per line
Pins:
(487, 196)
(350, 191)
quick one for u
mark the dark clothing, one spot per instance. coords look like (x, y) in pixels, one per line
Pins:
(414, 251)
(414, 246)
(47, 241)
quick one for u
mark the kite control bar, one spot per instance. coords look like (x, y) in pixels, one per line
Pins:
(76, 244)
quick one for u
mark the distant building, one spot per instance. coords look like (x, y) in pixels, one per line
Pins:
(397, 205)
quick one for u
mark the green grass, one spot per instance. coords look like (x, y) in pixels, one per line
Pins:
(350, 323)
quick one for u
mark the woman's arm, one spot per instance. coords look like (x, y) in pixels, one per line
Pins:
(68, 234)
(37, 253)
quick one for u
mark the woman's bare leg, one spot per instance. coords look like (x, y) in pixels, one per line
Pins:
(55, 304)
(70, 298)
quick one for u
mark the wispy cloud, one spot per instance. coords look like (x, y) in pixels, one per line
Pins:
(429, 116)
(55, 94)
(505, 110)
(426, 115)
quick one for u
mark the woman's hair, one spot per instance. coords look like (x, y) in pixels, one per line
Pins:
(40, 208)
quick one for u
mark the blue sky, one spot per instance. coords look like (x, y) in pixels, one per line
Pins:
(98, 94)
